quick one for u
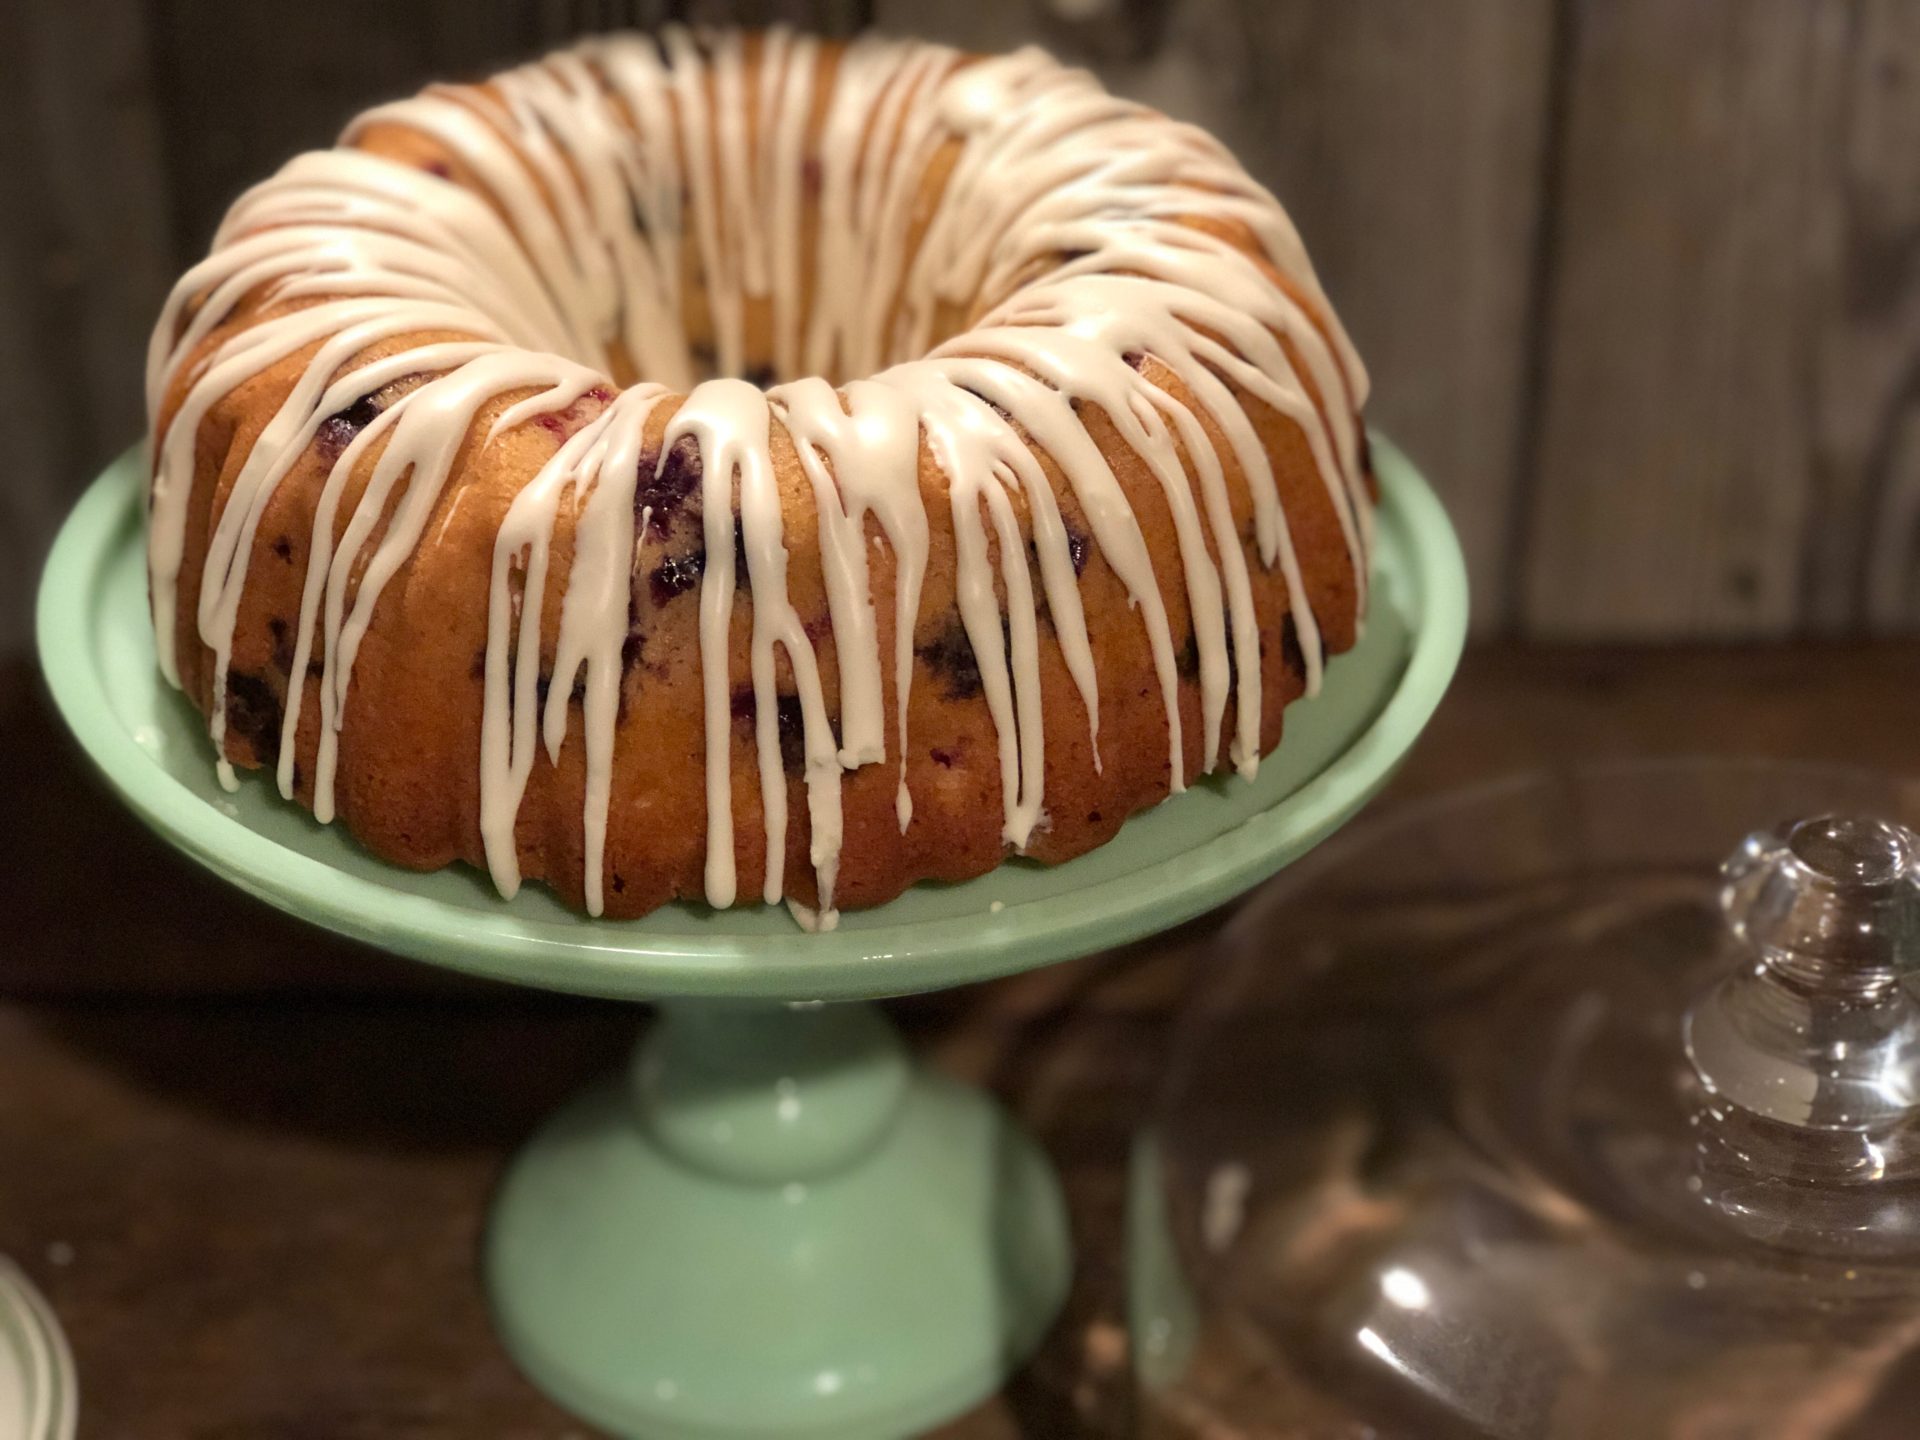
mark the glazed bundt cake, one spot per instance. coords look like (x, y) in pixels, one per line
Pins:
(745, 464)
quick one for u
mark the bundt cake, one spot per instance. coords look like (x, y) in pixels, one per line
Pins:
(743, 463)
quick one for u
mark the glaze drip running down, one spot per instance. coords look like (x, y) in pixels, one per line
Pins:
(977, 253)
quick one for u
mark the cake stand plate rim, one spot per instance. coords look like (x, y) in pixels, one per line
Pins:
(625, 960)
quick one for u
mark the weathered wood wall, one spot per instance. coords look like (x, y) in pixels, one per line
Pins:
(1639, 280)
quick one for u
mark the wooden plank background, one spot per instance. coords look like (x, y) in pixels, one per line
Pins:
(1638, 280)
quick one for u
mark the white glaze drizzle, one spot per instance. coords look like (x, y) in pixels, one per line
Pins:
(855, 459)
(1064, 227)
(598, 469)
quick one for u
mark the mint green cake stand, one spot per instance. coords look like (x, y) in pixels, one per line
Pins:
(774, 1224)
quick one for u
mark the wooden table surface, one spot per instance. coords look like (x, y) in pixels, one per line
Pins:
(248, 1163)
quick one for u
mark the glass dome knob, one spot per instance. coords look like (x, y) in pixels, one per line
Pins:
(1808, 1055)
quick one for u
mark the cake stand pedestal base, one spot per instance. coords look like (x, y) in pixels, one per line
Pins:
(775, 1224)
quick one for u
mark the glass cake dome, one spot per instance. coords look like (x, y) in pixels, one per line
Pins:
(1556, 1110)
